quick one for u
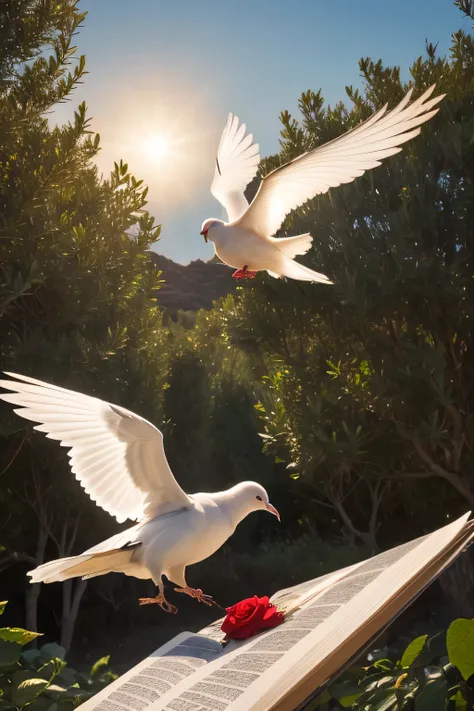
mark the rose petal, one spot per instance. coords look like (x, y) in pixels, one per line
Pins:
(249, 616)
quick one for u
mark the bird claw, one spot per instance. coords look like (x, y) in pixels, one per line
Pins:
(206, 599)
(244, 274)
(198, 594)
(161, 601)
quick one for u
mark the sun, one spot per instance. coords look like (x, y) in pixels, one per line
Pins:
(156, 146)
(164, 147)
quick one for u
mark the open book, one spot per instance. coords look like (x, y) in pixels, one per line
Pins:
(328, 621)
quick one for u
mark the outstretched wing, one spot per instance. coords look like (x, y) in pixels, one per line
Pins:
(117, 456)
(336, 162)
(236, 165)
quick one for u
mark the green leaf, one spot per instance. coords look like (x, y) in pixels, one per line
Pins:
(100, 665)
(432, 652)
(345, 693)
(385, 664)
(52, 651)
(18, 635)
(384, 704)
(9, 653)
(3, 606)
(413, 650)
(433, 696)
(347, 701)
(460, 645)
(30, 655)
(322, 698)
(355, 673)
(67, 677)
(27, 691)
(378, 682)
(54, 691)
(459, 702)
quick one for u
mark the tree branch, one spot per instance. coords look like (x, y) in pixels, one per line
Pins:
(15, 455)
(397, 476)
(451, 477)
(336, 496)
(458, 436)
(14, 558)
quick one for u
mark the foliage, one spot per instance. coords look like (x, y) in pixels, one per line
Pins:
(429, 675)
(460, 643)
(77, 288)
(368, 383)
(208, 402)
(40, 679)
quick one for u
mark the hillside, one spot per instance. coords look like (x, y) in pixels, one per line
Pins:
(192, 287)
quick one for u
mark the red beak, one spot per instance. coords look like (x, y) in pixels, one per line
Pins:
(204, 234)
(273, 510)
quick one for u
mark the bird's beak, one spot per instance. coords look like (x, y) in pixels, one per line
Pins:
(204, 234)
(273, 510)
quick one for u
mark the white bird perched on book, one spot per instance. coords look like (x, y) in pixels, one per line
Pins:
(119, 459)
(245, 242)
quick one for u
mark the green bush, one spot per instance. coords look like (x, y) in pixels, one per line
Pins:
(40, 679)
(432, 674)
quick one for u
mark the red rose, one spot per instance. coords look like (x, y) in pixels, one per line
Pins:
(246, 618)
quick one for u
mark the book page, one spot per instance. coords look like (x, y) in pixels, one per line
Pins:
(292, 598)
(138, 688)
(257, 673)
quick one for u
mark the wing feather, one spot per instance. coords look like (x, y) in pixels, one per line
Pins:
(236, 165)
(337, 162)
(117, 456)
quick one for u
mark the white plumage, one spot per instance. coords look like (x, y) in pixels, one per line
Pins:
(246, 241)
(119, 459)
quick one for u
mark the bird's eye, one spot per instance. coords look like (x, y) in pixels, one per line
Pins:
(259, 498)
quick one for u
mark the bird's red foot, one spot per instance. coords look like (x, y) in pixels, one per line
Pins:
(244, 274)
(161, 601)
(198, 594)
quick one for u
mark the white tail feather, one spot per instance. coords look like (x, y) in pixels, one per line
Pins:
(85, 565)
(294, 270)
(292, 246)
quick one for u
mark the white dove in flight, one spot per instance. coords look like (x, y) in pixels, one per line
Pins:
(245, 242)
(119, 459)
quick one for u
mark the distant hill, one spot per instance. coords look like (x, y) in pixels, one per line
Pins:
(192, 287)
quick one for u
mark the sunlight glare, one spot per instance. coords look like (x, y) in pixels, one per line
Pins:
(168, 143)
(156, 146)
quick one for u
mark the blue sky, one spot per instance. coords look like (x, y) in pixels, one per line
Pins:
(177, 67)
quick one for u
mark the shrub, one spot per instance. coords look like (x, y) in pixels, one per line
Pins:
(41, 679)
(432, 674)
